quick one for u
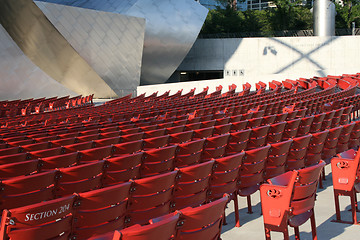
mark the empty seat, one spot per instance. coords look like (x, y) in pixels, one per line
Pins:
(294, 190)
(276, 161)
(189, 153)
(156, 161)
(214, 147)
(161, 228)
(122, 169)
(258, 137)
(19, 169)
(80, 178)
(224, 179)
(26, 190)
(192, 186)
(46, 220)
(60, 161)
(345, 175)
(151, 197)
(276, 132)
(203, 222)
(291, 128)
(238, 141)
(252, 172)
(101, 211)
(297, 153)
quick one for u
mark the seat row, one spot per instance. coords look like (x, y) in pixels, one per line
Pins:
(98, 213)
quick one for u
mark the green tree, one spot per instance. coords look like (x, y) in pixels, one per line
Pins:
(347, 13)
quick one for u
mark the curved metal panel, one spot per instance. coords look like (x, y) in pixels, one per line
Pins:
(172, 27)
(111, 43)
(20, 77)
(45, 46)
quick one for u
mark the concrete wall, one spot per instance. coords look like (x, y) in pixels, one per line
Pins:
(254, 59)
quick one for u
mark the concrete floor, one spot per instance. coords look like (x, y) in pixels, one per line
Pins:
(253, 228)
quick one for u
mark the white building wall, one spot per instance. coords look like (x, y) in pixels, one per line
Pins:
(254, 59)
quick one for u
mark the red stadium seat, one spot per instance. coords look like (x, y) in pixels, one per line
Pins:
(101, 211)
(151, 197)
(294, 190)
(162, 228)
(225, 179)
(203, 222)
(192, 186)
(46, 220)
(80, 178)
(122, 169)
(252, 172)
(189, 153)
(157, 161)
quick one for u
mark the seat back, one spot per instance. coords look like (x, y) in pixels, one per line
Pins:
(181, 137)
(157, 161)
(252, 170)
(297, 153)
(214, 147)
(156, 142)
(225, 176)
(126, 148)
(162, 228)
(122, 169)
(46, 220)
(80, 178)
(316, 147)
(305, 187)
(276, 132)
(202, 133)
(192, 185)
(19, 169)
(238, 141)
(95, 154)
(276, 160)
(101, 211)
(317, 122)
(291, 128)
(151, 197)
(304, 127)
(189, 153)
(203, 222)
(258, 137)
(25, 190)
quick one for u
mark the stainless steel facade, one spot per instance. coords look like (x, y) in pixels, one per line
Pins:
(172, 27)
(111, 43)
(105, 47)
(20, 77)
(324, 18)
(48, 49)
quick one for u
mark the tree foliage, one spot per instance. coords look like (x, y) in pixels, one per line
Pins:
(287, 15)
(347, 13)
